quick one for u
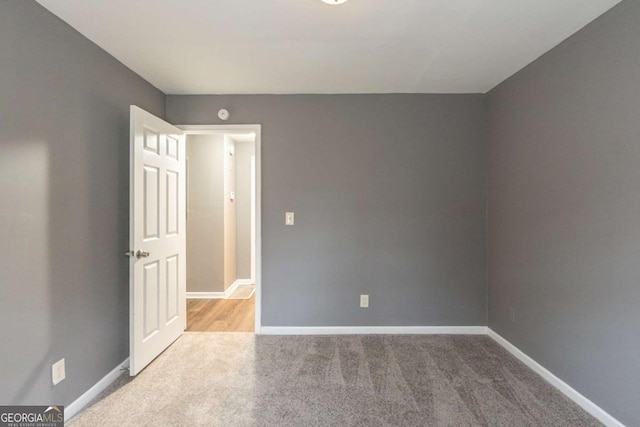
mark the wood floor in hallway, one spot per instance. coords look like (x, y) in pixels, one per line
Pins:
(221, 315)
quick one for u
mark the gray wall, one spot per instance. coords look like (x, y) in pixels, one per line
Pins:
(205, 217)
(64, 162)
(564, 204)
(388, 192)
(389, 197)
(244, 151)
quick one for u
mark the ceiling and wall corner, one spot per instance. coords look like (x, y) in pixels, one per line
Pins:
(292, 46)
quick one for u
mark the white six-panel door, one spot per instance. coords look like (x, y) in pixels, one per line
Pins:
(157, 237)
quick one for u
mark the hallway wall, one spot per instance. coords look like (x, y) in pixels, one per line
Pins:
(205, 213)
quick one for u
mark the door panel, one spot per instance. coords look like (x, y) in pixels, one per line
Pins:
(157, 234)
(173, 297)
(151, 140)
(172, 148)
(151, 202)
(152, 299)
(172, 203)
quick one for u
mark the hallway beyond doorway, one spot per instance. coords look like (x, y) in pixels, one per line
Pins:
(221, 315)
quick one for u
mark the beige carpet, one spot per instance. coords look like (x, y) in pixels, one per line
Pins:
(243, 292)
(239, 379)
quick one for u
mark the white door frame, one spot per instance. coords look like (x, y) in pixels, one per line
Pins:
(257, 129)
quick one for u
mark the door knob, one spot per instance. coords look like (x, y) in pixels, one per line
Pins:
(142, 254)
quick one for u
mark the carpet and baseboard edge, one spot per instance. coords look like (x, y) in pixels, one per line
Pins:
(593, 409)
(586, 404)
(80, 403)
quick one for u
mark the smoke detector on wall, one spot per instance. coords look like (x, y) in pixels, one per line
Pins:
(334, 2)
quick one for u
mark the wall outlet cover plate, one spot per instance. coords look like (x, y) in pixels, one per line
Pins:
(58, 372)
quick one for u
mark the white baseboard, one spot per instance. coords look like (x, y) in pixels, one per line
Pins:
(596, 411)
(205, 295)
(220, 295)
(365, 330)
(80, 403)
(231, 289)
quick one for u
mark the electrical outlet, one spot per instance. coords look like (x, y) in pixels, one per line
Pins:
(364, 301)
(512, 315)
(57, 371)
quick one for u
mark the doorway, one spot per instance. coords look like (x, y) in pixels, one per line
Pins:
(223, 193)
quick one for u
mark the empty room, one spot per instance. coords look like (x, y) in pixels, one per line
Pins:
(320, 212)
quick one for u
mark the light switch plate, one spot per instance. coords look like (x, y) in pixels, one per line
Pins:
(289, 218)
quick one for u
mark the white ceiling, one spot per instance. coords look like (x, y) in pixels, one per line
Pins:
(306, 46)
